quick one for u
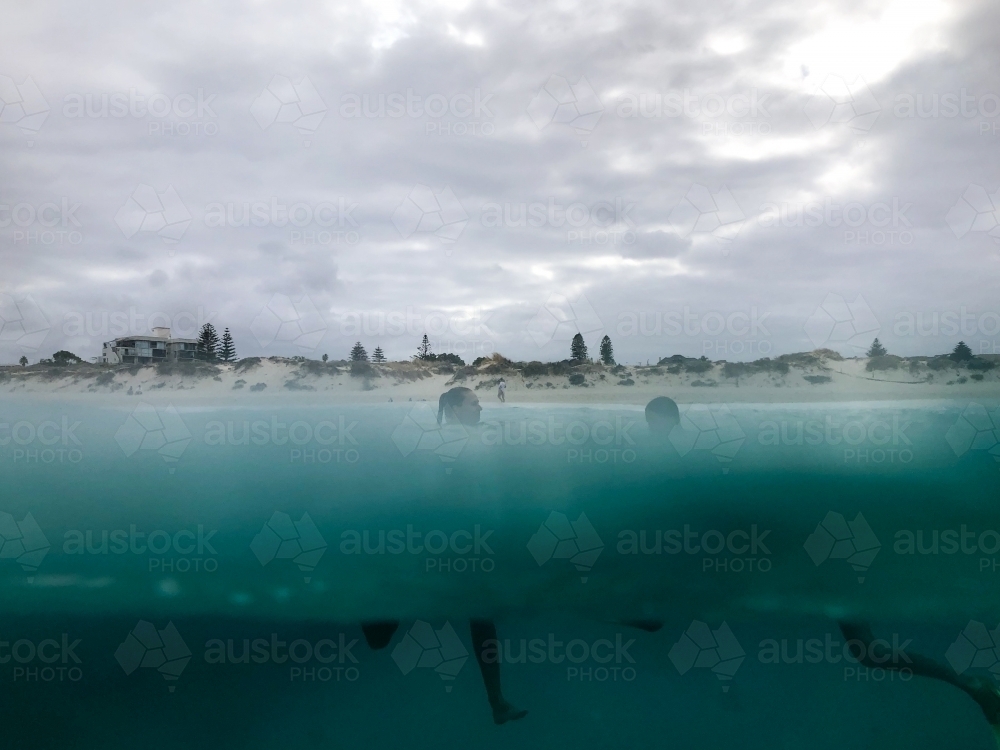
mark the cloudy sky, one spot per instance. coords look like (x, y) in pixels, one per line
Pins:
(741, 179)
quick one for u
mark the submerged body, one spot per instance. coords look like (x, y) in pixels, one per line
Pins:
(348, 514)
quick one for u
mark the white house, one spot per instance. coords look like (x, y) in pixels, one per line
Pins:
(144, 350)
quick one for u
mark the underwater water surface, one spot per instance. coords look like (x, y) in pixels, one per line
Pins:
(213, 567)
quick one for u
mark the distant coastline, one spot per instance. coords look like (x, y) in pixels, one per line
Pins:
(821, 375)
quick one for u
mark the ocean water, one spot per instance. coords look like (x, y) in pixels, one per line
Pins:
(212, 566)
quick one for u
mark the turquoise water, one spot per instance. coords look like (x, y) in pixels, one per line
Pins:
(557, 523)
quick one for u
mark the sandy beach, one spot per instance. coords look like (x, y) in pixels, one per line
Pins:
(815, 377)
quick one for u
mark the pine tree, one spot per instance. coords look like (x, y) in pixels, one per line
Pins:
(578, 349)
(378, 356)
(876, 349)
(23, 361)
(358, 353)
(961, 353)
(228, 351)
(424, 350)
(607, 351)
(208, 343)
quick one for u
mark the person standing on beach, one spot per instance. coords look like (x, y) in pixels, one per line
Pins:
(502, 391)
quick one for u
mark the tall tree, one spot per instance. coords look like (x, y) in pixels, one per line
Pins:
(607, 351)
(326, 357)
(23, 361)
(378, 356)
(424, 350)
(228, 351)
(358, 353)
(876, 349)
(961, 352)
(578, 349)
(208, 342)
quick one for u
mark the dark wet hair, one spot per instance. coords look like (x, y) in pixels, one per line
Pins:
(661, 406)
(452, 398)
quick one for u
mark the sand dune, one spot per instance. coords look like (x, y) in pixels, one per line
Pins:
(818, 376)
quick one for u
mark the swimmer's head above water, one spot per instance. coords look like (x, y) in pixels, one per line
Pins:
(459, 406)
(662, 415)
